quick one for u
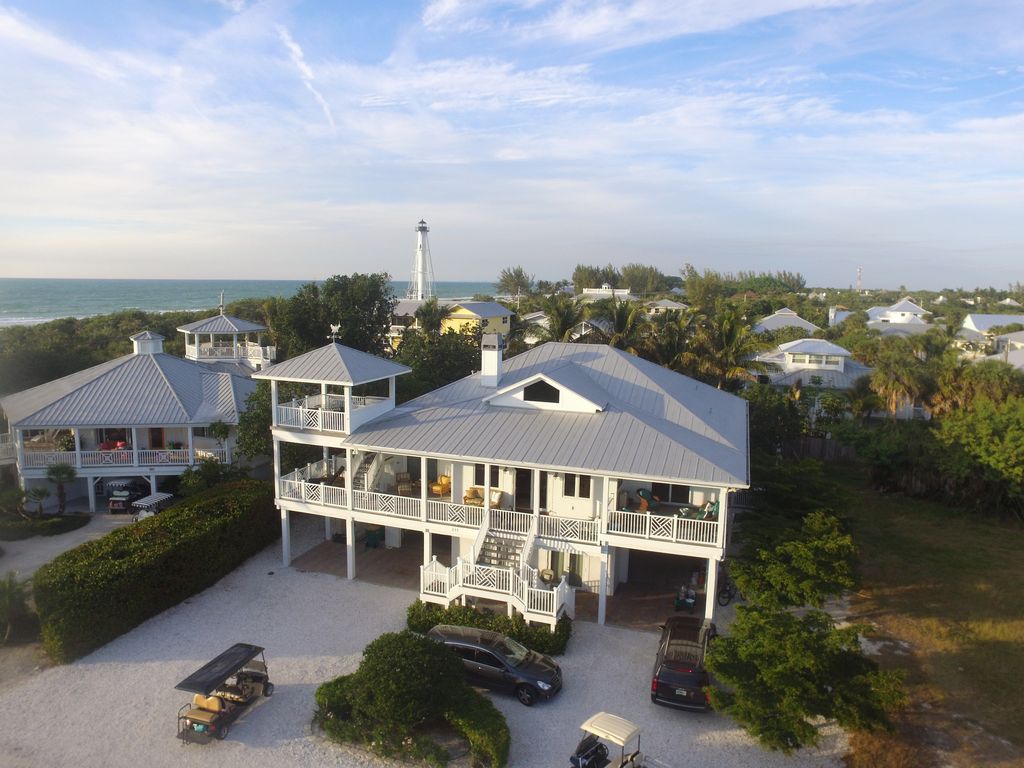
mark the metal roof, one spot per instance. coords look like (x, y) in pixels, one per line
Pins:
(666, 304)
(1014, 357)
(333, 364)
(222, 324)
(146, 336)
(983, 323)
(783, 318)
(812, 347)
(482, 308)
(907, 304)
(135, 390)
(656, 424)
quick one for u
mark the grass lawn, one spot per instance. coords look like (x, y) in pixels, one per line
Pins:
(951, 584)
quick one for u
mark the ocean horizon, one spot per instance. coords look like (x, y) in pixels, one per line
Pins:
(31, 300)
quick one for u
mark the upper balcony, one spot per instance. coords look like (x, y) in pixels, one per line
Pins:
(326, 412)
(223, 338)
(226, 351)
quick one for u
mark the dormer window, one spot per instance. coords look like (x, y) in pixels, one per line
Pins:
(541, 392)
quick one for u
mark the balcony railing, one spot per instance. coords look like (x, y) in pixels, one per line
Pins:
(680, 530)
(324, 413)
(144, 457)
(8, 450)
(568, 529)
(247, 351)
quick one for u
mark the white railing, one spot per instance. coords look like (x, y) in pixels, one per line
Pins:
(170, 456)
(116, 458)
(46, 458)
(663, 527)
(507, 521)
(454, 514)
(386, 504)
(8, 450)
(217, 454)
(568, 529)
(226, 352)
(478, 542)
(308, 414)
(448, 584)
(296, 487)
(527, 550)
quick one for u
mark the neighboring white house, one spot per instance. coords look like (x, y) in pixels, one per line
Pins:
(230, 343)
(784, 318)
(904, 311)
(146, 414)
(605, 292)
(664, 306)
(1009, 302)
(1012, 355)
(534, 468)
(812, 362)
(983, 323)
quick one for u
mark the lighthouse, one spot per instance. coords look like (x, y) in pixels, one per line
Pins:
(421, 287)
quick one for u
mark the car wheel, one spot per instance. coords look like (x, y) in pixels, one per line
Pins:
(268, 688)
(222, 732)
(526, 694)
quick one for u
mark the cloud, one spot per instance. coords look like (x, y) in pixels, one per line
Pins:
(299, 60)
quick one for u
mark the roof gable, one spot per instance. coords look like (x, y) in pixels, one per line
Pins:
(575, 391)
(333, 364)
(222, 324)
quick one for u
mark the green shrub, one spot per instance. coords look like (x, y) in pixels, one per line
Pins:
(16, 619)
(484, 727)
(91, 594)
(421, 617)
(15, 529)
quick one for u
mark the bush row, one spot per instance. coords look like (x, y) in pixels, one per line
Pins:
(15, 529)
(484, 727)
(421, 617)
(91, 594)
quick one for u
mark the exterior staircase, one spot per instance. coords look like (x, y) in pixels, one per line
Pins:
(501, 550)
(359, 479)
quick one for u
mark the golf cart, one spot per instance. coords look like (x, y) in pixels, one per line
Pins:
(222, 690)
(603, 730)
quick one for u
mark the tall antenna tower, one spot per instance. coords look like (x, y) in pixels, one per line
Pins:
(860, 281)
(421, 286)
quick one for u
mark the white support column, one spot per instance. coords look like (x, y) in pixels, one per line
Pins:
(19, 447)
(273, 403)
(90, 483)
(428, 547)
(602, 592)
(612, 501)
(350, 547)
(152, 483)
(78, 456)
(711, 589)
(424, 487)
(348, 410)
(723, 518)
(327, 528)
(392, 537)
(135, 447)
(487, 491)
(286, 538)
(277, 468)
(191, 446)
(350, 474)
(391, 390)
(535, 492)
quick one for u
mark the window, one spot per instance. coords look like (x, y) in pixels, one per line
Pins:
(576, 485)
(833, 359)
(799, 358)
(541, 392)
(504, 321)
(199, 431)
(478, 475)
(673, 494)
(488, 659)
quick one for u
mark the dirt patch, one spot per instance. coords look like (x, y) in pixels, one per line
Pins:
(18, 662)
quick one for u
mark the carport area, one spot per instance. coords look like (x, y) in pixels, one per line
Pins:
(648, 597)
(395, 567)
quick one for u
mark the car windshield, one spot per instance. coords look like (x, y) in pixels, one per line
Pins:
(513, 651)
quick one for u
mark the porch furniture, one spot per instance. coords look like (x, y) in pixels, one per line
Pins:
(496, 496)
(474, 496)
(443, 486)
(647, 499)
(405, 489)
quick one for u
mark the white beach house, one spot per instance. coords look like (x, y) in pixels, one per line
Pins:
(146, 415)
(539, 472)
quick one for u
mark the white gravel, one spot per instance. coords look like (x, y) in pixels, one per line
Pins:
(118, 707)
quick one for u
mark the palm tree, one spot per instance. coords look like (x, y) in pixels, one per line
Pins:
(862, 399)
(60, 475)
(627, 321)
(722, 351)
(514, 281)
(430, 317)
(899, 374)
(38, 494)
(563, 313)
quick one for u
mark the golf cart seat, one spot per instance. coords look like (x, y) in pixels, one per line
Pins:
(206, 709)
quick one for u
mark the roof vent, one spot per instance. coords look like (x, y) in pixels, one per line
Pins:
(147, 343)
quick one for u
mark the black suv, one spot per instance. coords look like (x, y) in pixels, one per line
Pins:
(679, 677)
(495, 661)
(124, 493)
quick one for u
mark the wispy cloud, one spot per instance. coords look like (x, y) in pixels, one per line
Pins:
(305, 72)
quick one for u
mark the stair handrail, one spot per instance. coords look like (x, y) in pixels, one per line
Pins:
(481, 534)
(528, 544)
(376, 464)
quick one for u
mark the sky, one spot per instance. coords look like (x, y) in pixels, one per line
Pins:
(297, 140)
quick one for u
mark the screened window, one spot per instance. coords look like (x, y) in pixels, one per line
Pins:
(541, 392)
(673, 494)
(478, 474)
(577, 485)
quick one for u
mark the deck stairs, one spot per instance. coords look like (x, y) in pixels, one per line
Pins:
(359, 479)
(501, 550)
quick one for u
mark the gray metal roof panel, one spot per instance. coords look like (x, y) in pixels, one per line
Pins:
(657, 423)
(333, 364)
(783, 318)
(222, 324)
(813, 347)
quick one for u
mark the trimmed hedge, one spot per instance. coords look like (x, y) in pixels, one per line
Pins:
(98, 591)
(484, 727)
(16, 529)
(421, 617)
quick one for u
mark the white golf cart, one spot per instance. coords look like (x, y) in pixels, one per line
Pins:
(603, 730)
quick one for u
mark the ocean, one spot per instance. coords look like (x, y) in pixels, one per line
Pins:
(27, 301)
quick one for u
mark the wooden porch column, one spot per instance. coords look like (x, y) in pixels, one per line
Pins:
(350, 474)
(191, 446)
(487, 491)
(535, 492)
(350, 547)
(78, 456)
(135, 447)
(90, 483)
(286, 538)
(273, 402)
(711, 589)
(428, 547)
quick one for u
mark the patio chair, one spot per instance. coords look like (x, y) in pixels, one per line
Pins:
(474, 496)
(443, 486)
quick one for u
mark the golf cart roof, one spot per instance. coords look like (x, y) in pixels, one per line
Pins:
(613, 728)
(215, 672)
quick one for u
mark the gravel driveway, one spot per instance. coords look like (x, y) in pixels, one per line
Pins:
(117, 706)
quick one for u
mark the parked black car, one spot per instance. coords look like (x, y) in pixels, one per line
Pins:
(679, 677)
(123, 493)
(498, 662)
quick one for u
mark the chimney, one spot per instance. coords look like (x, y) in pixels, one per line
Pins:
(490, 359)
(147, 343)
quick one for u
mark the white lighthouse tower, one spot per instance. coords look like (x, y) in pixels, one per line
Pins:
(421, 287)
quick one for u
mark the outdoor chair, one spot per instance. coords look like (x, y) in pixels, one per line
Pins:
(474, 496)
(443, 486)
